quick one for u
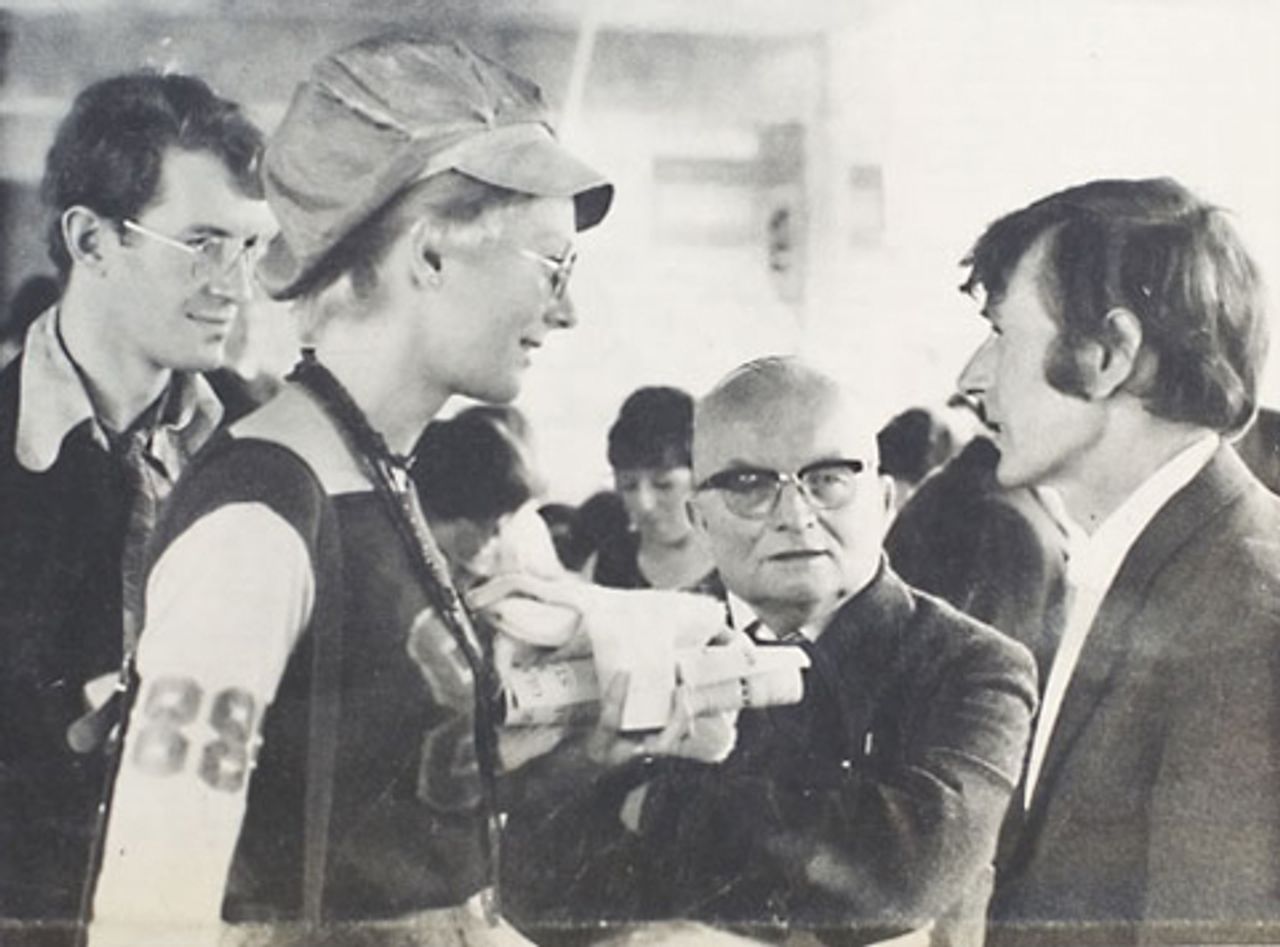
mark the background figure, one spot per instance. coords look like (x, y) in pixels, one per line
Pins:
(912, 445)
(995, 553)
(1259, 447)
(600, 522)
(1128, 335)
(650, 452)
(34, 296)
(870, 808)
(558, 518)
(474, 477)
(155, 218)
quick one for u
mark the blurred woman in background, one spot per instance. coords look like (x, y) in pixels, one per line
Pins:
(650, 451)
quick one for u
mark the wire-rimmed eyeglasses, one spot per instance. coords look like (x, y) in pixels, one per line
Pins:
(559, 269)
(752, 492)
(212, 255)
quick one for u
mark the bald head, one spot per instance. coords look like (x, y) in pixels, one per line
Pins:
(775, 394)
(799, 556)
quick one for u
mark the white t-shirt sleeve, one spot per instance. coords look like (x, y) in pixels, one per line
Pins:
(226, 603)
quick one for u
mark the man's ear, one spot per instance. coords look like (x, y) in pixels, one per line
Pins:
(1111, 362)
(83, 232)
(695, 514)
(888, 488)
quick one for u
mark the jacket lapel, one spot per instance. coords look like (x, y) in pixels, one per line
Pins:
(1110, 643)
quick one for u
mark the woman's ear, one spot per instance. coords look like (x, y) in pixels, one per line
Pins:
(424, 258)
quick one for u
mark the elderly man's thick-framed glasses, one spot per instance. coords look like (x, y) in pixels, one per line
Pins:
(559, 269)
(211, 256)
(752, 492)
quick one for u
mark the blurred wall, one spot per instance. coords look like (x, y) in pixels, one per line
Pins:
(976, 108)
(704, 135)
(809, 188)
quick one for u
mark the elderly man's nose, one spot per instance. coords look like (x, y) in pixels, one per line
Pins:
(792, 510)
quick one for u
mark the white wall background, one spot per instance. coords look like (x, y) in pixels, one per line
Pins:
(968, 108)
(971, 108)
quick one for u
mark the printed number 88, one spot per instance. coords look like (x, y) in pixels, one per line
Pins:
(171, 706)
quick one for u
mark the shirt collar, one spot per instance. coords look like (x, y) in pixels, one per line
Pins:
(741, 615)
(1095, 558)
(53, 401)
(870, 600)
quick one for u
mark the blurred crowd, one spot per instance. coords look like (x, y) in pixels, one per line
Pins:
(316, 654)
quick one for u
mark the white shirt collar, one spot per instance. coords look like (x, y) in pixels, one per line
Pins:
(53, 401)
(1095, 558)
(742, 616)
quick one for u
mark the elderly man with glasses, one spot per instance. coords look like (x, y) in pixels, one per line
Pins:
(869, 811)
(155, 214)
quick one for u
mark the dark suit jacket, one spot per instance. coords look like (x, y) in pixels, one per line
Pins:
(994, 553)
(62, 534)
(1159, 802)
(868, 808)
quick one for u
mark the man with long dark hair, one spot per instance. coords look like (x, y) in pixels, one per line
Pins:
(1127, 340)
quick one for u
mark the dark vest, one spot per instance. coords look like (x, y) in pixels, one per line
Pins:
(61, 536)
(408, 827)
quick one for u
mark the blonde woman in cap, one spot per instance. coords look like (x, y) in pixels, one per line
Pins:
(310, 743)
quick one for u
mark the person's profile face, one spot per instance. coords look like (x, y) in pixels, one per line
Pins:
(499, 300)
(177, 307)
(656, 499)
(795, 556)
(1042, 433)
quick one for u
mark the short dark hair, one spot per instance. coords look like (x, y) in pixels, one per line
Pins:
(654, 429)
(1157, 250)
(913, 443)
(470, 467)
(601, 520)
(503, 415)
(109, 150)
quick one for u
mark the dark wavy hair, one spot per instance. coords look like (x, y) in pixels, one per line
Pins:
(471, 467)
(108, 152)
(1155, 249)
(654, 429)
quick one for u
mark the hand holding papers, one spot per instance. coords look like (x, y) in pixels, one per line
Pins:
(564, 638)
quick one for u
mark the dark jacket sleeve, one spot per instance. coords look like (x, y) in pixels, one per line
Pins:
(897, 836)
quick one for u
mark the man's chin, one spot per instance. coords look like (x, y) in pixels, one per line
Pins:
(805, 602)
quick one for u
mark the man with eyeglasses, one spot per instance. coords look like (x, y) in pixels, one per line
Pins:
(156, 211)
(869, 811)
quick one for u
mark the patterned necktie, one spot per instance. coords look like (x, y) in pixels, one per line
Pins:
(148, 487)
